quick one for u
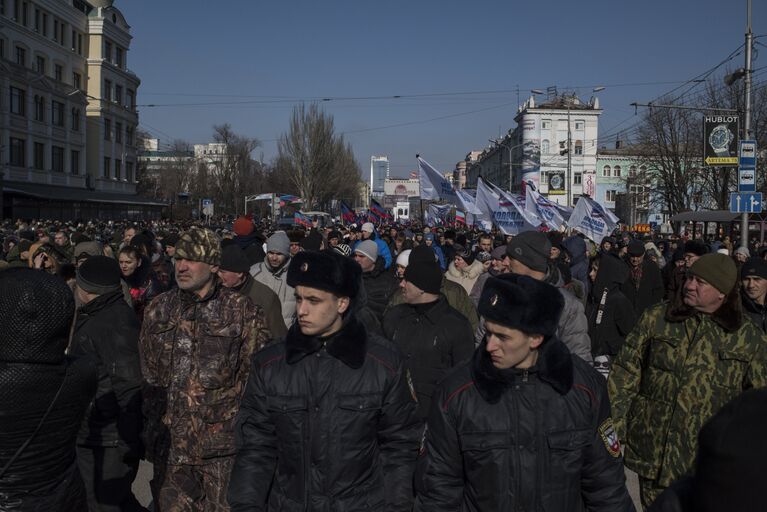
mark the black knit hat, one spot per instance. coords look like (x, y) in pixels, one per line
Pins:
(465, 253)
(425, 275)
(754, 267)
(233, 259)
(99, 275)
(522, 303)
(325, 270)
(695, 247)
(422, 253)
(732, 458)
(531, 248)
(636, 248)
(171, 240)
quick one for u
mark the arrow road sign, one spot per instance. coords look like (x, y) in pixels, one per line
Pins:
(746, 203)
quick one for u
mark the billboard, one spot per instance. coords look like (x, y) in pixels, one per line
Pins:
(556, 182)
(720, 140)
(589, 183)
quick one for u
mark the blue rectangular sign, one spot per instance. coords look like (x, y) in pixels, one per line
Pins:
(746, 202)
(747, 153)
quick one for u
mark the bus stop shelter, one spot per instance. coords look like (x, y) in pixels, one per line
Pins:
(722, 218)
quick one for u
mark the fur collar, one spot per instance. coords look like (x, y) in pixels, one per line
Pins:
(729, 316)
(471, 272)
(349, 345)
(554, 366)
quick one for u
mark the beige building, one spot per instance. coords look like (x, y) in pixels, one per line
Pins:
(67, 111)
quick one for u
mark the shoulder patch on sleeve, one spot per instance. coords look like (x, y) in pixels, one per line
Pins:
(610, 437)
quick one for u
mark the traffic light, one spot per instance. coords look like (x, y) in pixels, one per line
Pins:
(563, 148)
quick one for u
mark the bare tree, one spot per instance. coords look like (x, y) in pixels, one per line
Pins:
(318, 164)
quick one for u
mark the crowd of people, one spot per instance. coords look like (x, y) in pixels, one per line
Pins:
(379, 367)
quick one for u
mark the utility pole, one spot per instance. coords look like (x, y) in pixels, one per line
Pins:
(747, 116)
(569, 156)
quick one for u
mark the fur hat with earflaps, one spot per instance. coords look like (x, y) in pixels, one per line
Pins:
(325, 270)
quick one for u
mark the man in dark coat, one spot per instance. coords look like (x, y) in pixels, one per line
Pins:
(43, 395)
(328, 420)
(432, 336)
(753, 290)
(234, 273)
(379, 283)
(644, 287)
(523, 425)
(109, 442)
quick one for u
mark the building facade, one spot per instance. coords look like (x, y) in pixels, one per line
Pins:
(379, 172)
(68, 105)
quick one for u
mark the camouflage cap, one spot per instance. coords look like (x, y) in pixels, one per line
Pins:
(199, 244)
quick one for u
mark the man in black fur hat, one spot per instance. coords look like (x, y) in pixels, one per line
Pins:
(328, 419)
(524, 424)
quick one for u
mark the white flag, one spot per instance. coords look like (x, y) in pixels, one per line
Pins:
(592, 219)
(516, 202)
(543, 208)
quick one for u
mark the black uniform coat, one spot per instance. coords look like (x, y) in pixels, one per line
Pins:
(433, 338)
(326, 424)
(534, 440)
(650, 291)
(610, 314)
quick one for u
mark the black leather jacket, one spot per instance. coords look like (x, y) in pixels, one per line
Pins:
(107, 331)
(326, 424)
(537, 439)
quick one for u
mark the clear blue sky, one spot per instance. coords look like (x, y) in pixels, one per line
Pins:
(269, 55)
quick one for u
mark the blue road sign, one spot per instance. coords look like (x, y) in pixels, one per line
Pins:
(746, 203)
(747, 153)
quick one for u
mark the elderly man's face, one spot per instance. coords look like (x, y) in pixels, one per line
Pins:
(701, 295)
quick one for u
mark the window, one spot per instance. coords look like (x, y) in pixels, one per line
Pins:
(45, 25)
(633, 171)
(58, 72)
(38, 156)
(2, 7)
(2, 46)
(545, 147)
(107, 165)
(55, 29)
(118, 134)
(79, 44)
(129, 171)
(131, 97)
(118, 56)
(577, 178)
(107, 129)
(107, 51)
(73, 41)
(77, 81)
(129, 135)
(24, 13)
(18, 101)
(118, 169)
(578, 147)
(606, 171)
(39, 108)
(546, 124)
(617, 171)
(40, 64)
(579, 125)
(75, 121)
(57, 159)
(108, 90)
(74, 162)
(610, 196)
(21, 56)
(119, 94)
(37, 20)
(18, 152)
(57, 113)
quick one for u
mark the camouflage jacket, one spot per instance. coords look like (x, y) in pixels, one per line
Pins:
(674, 372)
(195, 359)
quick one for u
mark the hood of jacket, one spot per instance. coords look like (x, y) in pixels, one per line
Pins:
(576, 246)
(612, 273)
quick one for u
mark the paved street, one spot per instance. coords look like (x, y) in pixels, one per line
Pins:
(141, 485)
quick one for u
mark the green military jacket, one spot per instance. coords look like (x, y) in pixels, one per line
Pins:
(671, 376)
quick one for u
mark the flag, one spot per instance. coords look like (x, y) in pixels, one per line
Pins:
(288, 198)
(379, 211)
(460, 217)
(435, 187)
(592, 219)
(514, 203)
(436, 213)
(347, 214)
(545, 209)
(302, 220)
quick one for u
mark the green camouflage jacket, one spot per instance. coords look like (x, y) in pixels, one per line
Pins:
(195, 359)
(676, 370)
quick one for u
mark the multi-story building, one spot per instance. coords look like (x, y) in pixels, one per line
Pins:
(552, 146)
(156, 161)
(68, 105)
(379, 171)
(459, 175)
(400, 190)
